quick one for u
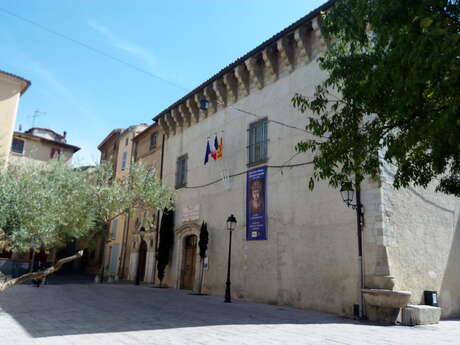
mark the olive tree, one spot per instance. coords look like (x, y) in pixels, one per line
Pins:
(44, 206)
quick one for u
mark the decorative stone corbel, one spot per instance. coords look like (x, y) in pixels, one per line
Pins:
(186, 115)
(286, 48)
(232, 85)
(164, 126)
(242, 75)
(255, 71)
(221, 91)
(170, 122)
(319, 39)
(303, 44)
(177, 116)
(193, 109)
(270, 56)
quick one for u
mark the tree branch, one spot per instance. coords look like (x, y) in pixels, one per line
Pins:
(41, 274)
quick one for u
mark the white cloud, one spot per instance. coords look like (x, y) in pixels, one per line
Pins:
(131, 48)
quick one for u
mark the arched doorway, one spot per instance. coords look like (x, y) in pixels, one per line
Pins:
(188, 262)
(142, 261)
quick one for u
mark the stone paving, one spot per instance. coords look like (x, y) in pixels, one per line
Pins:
(115, 314)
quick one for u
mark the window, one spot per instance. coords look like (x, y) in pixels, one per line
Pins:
(123, 161)
(17, 146)
(126, 142)
(257, 149)
(153, 141)
(181, 171)
(55, 152)
(113, 233)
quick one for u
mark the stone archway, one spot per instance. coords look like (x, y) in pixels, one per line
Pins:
(187, 236)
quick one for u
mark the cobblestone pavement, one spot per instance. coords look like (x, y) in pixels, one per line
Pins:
(115, 314)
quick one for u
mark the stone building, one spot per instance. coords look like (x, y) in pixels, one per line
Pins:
(40, 145)
(11, 88)
(293, 246)
(117, 147)
(140, 241)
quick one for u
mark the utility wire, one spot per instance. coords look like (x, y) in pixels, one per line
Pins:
(91, 48)
(130, 65)
(245, 171)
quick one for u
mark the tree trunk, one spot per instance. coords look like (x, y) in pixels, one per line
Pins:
(39, 275)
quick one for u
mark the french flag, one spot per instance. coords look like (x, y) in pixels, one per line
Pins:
(207, 153)
(214, 148)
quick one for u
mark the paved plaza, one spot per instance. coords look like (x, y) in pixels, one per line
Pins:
(84, 313)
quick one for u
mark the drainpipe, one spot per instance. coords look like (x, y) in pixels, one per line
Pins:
(158, 212)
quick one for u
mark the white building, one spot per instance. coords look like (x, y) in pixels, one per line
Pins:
(310, 257)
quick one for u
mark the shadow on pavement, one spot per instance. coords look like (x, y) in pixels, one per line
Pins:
(64, 308)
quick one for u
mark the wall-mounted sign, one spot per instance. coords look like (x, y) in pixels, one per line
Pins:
(256, 211)
(190, 213)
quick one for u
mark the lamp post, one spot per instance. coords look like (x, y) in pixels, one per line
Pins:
(138, 272)
(231, 224)
(347, 193)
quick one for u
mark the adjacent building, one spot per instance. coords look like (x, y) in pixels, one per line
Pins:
(40, 145)
(11, 88)
(230, 149)
(117, 147)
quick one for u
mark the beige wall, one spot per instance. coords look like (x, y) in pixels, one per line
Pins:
(310, 259)
(36, 150)
(9, 100)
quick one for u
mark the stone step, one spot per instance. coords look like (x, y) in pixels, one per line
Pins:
(412, 315)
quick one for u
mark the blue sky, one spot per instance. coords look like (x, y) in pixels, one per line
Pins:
(183, 42)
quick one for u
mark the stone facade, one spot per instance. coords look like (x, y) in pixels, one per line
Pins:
(310, 259)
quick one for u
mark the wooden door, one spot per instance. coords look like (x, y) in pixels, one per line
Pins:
(142, 260)
(188, 268)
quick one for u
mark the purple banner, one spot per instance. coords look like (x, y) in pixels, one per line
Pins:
(256, 211)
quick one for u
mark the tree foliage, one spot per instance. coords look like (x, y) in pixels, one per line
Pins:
(166, 242)
(43, 206)
(204, 239)
(392, 93)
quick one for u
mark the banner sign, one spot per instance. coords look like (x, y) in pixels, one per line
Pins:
(256, 211)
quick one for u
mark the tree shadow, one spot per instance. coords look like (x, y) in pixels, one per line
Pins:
(70, 309)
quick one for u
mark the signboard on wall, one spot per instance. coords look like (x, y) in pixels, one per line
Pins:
(190, 213)
(256, 210)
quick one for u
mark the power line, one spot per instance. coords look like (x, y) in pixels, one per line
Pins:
(91, 48)
(245, 171)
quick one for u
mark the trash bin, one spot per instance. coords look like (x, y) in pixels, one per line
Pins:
(431, 298)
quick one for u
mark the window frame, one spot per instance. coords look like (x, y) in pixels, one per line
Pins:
(154, 145)
(259, 126)
(23, 146)
(181, 171)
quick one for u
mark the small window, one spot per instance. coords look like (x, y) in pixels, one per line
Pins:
(153, 141)
(17, 146)
(126, 142)
(124, 160)
(113, 233)
(257, 149)
(181, 171)
(55, 152)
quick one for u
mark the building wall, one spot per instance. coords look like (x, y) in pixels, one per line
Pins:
(151, 158)
(310, 258)
(36, 150)
(9, 100)
(422, 236)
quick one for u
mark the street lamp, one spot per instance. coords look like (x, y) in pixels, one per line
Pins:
(204, 104)
(231, 224)
(138, 273)
(347, 194)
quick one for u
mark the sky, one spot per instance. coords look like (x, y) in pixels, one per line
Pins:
(96, 65)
